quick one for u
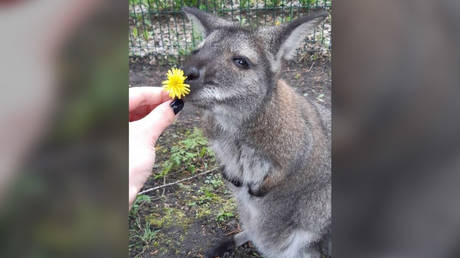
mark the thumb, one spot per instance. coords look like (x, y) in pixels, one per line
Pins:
(161, 117)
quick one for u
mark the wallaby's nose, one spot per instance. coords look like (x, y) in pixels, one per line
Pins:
(192, 73)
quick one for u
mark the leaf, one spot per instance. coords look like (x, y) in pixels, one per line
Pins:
(203, 151)
(143, 198)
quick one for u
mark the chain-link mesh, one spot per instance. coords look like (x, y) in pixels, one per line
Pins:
(158, 29)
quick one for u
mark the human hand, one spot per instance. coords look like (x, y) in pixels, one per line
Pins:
(151, 111)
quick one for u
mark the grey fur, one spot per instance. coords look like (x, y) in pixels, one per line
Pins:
(274, 145)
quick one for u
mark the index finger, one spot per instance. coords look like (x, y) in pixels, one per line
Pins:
(146, 96)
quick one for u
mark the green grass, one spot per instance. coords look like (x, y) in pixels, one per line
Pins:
(187, 154)
(224, 216)
(140, 200)
(143, 235)
(159, 227)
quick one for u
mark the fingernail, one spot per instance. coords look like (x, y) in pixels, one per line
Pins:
(177, 105)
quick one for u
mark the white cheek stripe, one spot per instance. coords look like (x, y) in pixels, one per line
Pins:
(214, 93)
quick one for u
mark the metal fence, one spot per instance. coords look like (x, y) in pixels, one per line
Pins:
(159, 30)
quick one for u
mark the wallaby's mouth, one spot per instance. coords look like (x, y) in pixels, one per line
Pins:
(196, 98)
(204, 95)
(204, 91)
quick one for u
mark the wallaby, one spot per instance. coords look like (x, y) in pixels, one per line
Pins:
(273, 144)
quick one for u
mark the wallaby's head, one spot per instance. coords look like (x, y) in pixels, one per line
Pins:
(237, 67)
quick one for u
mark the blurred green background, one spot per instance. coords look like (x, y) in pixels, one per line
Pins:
(70, 197)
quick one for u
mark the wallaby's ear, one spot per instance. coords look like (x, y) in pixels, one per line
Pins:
(284, 40)
(205, 22)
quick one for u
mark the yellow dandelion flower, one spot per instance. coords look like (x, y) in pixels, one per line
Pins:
(175, 85)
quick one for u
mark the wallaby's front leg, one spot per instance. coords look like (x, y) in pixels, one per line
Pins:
(261, 189)
(228, 244)
(241, 238)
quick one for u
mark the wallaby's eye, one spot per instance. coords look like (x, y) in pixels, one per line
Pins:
(195, 51)
(241, 62)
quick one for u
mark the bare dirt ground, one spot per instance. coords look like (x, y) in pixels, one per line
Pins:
(187, 219)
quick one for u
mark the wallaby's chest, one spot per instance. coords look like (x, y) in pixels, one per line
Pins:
(241, 162)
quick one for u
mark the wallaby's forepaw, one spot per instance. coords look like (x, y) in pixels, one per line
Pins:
(223, 246)
(257, 192)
